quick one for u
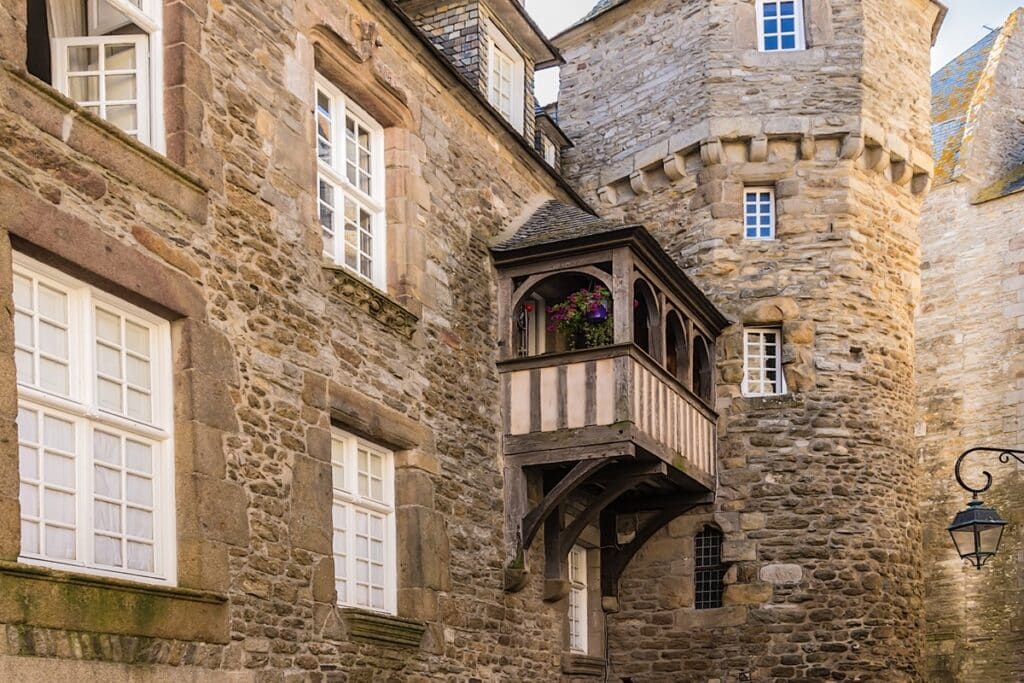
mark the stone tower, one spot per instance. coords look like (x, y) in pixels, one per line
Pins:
(677, 110)
(969, 331)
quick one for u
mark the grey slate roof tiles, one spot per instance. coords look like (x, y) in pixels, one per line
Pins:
(556, 221)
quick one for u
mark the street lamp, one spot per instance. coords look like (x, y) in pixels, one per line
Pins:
(978, 530)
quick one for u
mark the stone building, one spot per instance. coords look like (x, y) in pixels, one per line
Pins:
(320, 363)
(969, 366)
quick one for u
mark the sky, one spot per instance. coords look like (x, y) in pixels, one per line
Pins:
(964, 26)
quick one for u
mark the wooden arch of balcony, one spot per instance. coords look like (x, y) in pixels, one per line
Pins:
(610, 431)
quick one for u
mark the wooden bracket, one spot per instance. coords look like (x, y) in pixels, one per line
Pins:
(615, 558)
(557, 495)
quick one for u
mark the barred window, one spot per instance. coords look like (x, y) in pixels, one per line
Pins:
(709, 571)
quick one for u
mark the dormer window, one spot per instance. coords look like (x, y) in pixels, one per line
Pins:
(780, 25)
(106, 56)
(505, 77)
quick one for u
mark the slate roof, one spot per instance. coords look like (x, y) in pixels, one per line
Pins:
(557, 221)
(601, 7)
(953, 88)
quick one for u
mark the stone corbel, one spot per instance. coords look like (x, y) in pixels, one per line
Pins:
(876, 158)
(608, 195)
(638, 181)
(807, 147)
(853, 147)
(711, 152)
(759, 149)
(674, 166)
(902, 172)
(921, 183)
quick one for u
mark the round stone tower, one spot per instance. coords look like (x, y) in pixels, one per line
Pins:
(680, 110)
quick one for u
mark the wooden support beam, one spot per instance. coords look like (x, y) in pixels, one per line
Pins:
(557, 495)
(669, 500)
(615, 558)
(614, 489)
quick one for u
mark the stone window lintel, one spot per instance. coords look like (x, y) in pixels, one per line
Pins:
(381, 629)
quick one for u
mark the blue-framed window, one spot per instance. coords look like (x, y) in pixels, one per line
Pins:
(780, 25)
(759, 213)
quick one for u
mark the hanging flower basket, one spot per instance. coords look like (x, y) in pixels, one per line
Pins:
(584, 318)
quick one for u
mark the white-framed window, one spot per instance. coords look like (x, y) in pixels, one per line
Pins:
(549, 150)
(365, 565)
(780, 25)
(506, 74)
(759, 213)
(762, 362)
(106, 55)
(94, 429)
(578, 612)
(350, 184)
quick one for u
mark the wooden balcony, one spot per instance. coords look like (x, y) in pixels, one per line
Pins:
(608, 417)
(614, 402)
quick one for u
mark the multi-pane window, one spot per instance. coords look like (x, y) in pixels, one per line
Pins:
(759, 213)
(762, 355)
(94, 428)
(505, 77)
(780, 25)
(364, 524)
(709, 572)
(578, 600)
(350, 185)
(105, 55)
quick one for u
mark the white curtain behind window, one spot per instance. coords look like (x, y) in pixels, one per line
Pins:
(66, 18)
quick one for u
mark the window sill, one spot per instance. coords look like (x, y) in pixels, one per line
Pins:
(106, 144)
(575, 664)
(57, 599)
(372, 301)
(381, 629)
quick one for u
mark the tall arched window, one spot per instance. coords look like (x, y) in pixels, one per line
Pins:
(709, 572)
(702, 374)
(644, 309)
(677, 355)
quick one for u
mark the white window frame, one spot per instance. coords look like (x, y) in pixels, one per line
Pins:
(579, 612)
(348, 501)
(334, 173)
(758, 214)
(549, 150)
(498, 44)
(761, 385)
(81, 407)
(799, 27)
(149, 86)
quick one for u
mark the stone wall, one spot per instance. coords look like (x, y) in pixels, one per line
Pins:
(969, 332)
(817, 495)
(272, 348)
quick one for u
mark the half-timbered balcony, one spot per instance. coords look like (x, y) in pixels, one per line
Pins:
(614, 402)
(607, 374)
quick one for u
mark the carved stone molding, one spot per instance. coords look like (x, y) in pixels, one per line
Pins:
(370, 300)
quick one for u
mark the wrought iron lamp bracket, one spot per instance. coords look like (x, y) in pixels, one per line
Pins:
(1005, 455)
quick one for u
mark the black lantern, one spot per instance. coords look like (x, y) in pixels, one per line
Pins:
(977, 532)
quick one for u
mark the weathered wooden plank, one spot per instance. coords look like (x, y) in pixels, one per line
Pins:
(535, 400)
(549, 399)
(590, 393)
(576, 395)
(561, 418)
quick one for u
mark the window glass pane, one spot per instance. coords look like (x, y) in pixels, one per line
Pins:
(124, 116)
(60, 543)
(120, 87)
(121, 56)
(140, 556)
(108, 551)
(84, 88)
(83, 58)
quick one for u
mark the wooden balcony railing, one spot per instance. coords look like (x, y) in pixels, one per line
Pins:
(615, 395)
